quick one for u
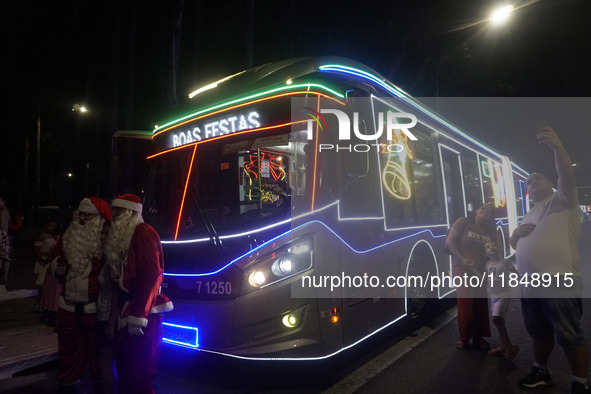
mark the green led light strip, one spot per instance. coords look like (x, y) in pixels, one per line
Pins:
(247, 98)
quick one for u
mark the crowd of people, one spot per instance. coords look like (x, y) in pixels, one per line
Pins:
(546, 242)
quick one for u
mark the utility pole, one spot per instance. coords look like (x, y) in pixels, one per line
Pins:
(38, 164)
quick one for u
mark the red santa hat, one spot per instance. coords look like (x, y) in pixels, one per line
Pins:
(128, 201)
(95, 206)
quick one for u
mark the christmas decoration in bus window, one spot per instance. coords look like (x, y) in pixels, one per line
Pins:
(272, 168)
(394, 175)
(494, 172)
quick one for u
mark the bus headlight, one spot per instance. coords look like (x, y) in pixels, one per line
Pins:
(257, 278)
(282, 266)
(285, 262)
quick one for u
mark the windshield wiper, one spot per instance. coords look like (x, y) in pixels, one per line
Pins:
(213, 234)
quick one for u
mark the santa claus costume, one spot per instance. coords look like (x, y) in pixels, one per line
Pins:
(135, 254)
(77, 265)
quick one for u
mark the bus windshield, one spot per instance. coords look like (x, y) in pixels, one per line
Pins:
(232, 186)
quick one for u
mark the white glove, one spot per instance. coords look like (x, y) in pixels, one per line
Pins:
(134, 330)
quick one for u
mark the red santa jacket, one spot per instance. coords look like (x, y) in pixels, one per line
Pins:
(141, 278)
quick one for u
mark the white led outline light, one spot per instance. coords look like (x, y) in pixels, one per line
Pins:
(480, 175)
(310, 213)
(307, 86)
(504, 241)
(408, 267)
(343, 241)
(443, 181)
(463, 185)
(348, 346)
(303, 358)
(509, 193)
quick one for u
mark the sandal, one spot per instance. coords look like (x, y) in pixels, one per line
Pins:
(511, 353)
(497, 352)
(462, 344)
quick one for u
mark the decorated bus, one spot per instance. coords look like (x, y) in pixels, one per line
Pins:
(297, 200)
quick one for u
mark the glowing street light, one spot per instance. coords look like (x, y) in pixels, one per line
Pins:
(79, 108)
(497, 18)
(501, 14)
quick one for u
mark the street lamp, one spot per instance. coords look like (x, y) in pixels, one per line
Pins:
(501, 14)
(38, 165)
(79, 108)
(82, 110)
(497, 17)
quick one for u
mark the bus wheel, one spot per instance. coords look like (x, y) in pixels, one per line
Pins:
(418, 299)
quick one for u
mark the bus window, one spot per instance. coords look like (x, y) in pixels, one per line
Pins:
(230, 187)
(358, 164)
(493, 186)
(301, 159)
(471, 181)
(397, 180)
(453, 184)
(165, 190)
(424, 184)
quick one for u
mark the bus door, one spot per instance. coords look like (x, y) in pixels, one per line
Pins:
(453, 185)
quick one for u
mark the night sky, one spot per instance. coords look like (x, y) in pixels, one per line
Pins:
(117, 59)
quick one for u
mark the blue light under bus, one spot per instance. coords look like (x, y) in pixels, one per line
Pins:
(178, 335)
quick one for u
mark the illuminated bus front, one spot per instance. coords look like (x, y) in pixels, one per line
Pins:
(221, 185)
(214, 198)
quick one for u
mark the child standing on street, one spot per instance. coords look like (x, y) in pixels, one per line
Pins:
(498, 270)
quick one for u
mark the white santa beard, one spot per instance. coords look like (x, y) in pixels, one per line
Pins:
(82, 243)
(119, 239)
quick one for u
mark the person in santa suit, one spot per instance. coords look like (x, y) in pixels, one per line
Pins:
(77, 263)
(134, 254)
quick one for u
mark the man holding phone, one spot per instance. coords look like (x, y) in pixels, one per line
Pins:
(547, 243)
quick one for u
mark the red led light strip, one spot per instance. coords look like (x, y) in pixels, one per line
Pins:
(228, 135)
(178, 223)
(315, 159)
